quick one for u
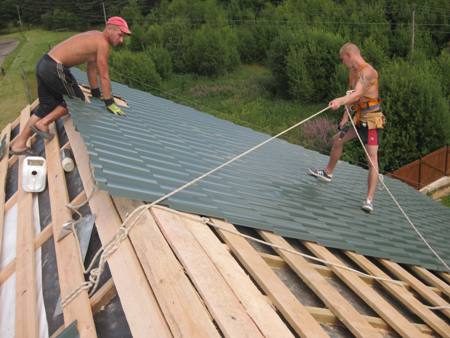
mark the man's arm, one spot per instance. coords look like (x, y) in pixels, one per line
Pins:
(103, 70)
(367, 76)
(92, 74)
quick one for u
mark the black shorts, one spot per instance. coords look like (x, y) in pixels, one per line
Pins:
(371, 137)
(54, 80)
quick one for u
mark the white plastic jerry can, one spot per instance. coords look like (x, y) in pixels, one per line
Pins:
(34, 174)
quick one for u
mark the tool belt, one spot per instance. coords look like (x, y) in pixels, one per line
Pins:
(369, 114)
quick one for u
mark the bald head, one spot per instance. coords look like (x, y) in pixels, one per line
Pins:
(349, 48)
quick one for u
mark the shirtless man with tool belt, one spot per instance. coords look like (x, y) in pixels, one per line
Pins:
(55, 79)
(363, 100)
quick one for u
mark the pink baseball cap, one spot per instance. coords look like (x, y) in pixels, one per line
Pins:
(119, 22)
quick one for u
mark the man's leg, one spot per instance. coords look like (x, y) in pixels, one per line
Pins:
(372, 178)
(337, 148)
(42, 124)
(20, 142)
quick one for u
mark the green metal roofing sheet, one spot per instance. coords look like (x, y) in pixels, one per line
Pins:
(161, 145)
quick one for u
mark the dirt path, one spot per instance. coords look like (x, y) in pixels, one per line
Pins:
(7, 47)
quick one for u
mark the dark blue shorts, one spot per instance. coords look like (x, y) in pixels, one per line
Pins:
(54, 80)
(371, 137)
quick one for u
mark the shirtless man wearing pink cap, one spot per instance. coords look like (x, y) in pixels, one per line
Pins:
(55, 80)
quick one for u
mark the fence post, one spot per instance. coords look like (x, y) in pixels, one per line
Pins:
(420, 173)
(446, 161)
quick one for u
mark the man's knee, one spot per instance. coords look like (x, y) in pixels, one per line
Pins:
(46, 108)
(338, 142)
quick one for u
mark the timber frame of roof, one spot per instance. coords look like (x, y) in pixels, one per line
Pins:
(175, 276)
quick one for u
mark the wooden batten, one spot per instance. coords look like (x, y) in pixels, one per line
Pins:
(180, 304)
(403, 296)
(384, 309)
(226, 309)
(416, 284)
(135, 294)
(293, 311)
(256, 304)
(433, 279)
(70, 266)
(26, 293)
(6, 133)
(346, 313)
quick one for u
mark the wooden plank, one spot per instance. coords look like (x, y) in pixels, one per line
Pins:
(402, 295)
(433, 279)
(3, 173)
(11, 201)
(416, 284)
(43, 236)
(445, 276)
(346, 313)
(70, 269)
(293, 311)
(133, 289)
(325, 316)
(225, 307)
(182, 307)
(26, 293)
(7, 271)
(256, 304)
(384, 309)
(103, 296)
(275, 261)
(40, 239)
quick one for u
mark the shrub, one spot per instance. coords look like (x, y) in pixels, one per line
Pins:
(137, 39)
(248, 47)
(162, 60)
(135, 69)
(213, 51)
(417, 112)
(304, 62)
(317, 134)
(177, 38)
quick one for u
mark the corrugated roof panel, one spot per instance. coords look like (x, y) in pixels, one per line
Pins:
(160, 145)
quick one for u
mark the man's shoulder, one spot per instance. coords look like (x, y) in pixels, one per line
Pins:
(370, 71)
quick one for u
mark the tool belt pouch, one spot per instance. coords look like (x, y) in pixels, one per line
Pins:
(369, 113)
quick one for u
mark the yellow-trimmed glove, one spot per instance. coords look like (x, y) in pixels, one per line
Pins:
(113, 108)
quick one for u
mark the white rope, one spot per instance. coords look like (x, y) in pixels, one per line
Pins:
(444, 307)
(381, 179)
(210, 222)
(107, 250)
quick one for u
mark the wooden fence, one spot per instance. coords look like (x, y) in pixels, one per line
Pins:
(425, 170)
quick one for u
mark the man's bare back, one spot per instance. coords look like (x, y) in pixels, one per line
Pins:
(80, 48)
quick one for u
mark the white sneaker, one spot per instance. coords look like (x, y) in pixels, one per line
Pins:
(367, 206)
(320, 174)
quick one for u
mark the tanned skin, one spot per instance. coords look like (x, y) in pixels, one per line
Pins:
(91, 48)
(352, 59)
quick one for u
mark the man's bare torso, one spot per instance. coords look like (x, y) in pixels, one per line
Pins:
(369, 78)
(78, 49)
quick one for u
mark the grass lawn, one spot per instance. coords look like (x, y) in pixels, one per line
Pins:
(446, 201)
(242, 97)
(19, 65)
